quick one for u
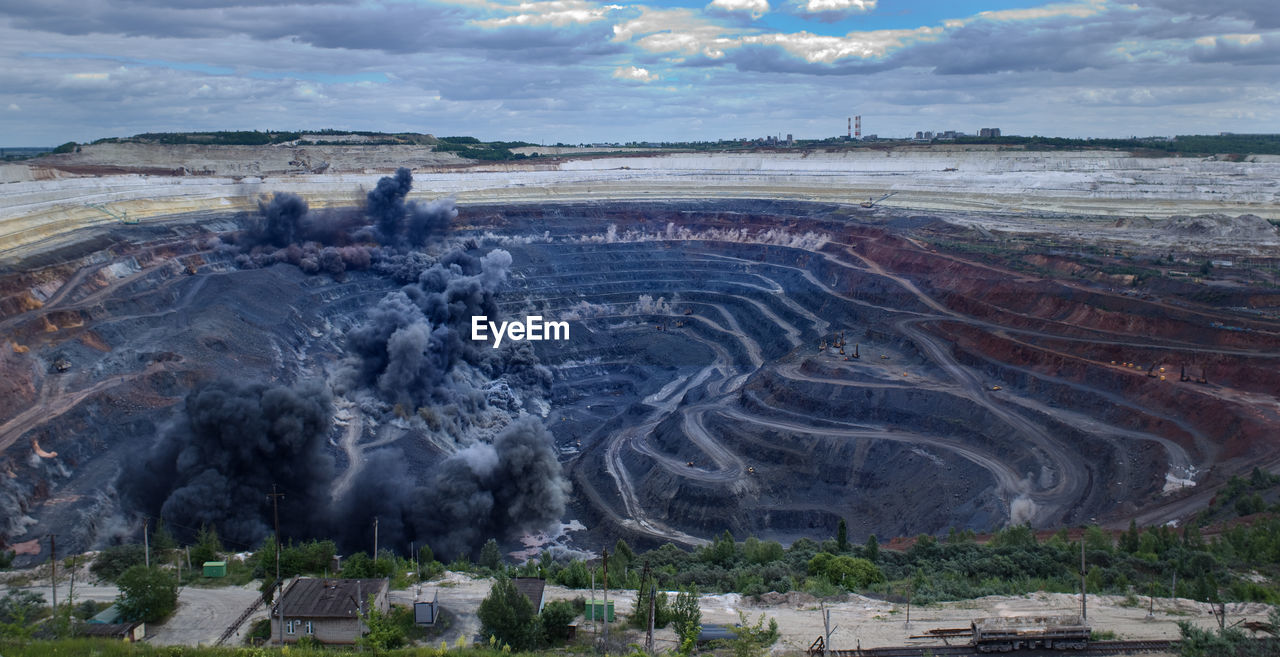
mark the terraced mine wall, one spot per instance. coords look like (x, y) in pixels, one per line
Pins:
(704, 386)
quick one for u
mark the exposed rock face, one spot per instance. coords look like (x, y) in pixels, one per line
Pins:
(1221, 226)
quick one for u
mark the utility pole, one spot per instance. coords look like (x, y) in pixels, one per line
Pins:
(644, 580)
(606, 600)
(53, 570)
(1084, 604)
(909, 589)
(275, 506)
(826, 629)
(375, 539)
(594, 614)
(146, 544)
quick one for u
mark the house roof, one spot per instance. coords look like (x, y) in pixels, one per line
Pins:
(328, 598)
(109, 630)
(532, 588)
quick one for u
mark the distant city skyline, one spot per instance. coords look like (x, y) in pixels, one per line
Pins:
(576, 71)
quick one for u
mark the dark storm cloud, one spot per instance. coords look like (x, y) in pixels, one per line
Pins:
(397, 29)
(1262, 13)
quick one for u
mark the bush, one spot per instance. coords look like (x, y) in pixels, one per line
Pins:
(146, 594)
(68, 147)
(556, 617)
(507, 616)
(113, 561)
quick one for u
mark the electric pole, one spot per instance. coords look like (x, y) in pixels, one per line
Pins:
(605, 585)
(375, 539)
(146, 544)
(53, 570)
(275, 506)
(1084, 603)
(644, 581)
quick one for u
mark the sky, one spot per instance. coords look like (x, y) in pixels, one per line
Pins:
(576, 71)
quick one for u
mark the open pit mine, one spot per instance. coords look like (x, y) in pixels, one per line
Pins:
(912, 340)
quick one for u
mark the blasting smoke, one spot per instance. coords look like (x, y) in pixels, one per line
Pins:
(283, 218)
(493, 490)
(417, 334)
(230, 443)
(336, 240)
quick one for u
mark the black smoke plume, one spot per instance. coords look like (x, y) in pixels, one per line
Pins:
(386, 204)
(416, 335)
(230, 443)
(336, 240)
(406, 224)
(485, 491)
(283, 217)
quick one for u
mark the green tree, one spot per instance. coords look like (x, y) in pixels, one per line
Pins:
(507, 616)
(17, 611)
(623, 556)
(871, 551)
(68, 147)
(687, 617)
(759, 552)
(162, 539)
(146, 594)
(113, 561)
(842, 536)
(845, 571)
(722, 551)
(207, 546)
(753, 639)
(382, 633)
(490, 555)
(661, 616)
(556, 617)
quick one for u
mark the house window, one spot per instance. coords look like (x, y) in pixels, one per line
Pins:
(288, 627)
(309, 629)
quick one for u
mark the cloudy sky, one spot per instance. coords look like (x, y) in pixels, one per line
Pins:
(588, 70)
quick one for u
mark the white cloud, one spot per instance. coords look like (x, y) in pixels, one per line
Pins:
(757, 8)
(13, 107)
(557, 13)
(815, 48)
(1082, 9)
(848, 6)
(634, 73)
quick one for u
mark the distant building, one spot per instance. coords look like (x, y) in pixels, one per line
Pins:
(533, 589)
(989, 132)
(327, 610)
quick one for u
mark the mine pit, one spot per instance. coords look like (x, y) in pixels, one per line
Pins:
(762, 367)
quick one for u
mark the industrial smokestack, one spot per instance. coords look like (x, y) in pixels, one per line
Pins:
(857, 127)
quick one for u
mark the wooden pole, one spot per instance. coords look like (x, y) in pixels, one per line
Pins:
(53, 570)
(605, 585)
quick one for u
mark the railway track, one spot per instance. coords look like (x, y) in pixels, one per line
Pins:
(1094, 648)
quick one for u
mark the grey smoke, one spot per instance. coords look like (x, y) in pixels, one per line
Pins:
(218, 461)
(493, 491)
(417, 334)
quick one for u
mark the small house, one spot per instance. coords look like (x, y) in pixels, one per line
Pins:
(328, 610)
(215, 569)
(533, 589)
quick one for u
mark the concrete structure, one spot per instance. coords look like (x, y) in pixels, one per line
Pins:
(327, 609)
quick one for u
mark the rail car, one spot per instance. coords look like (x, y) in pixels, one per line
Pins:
(1011, 633)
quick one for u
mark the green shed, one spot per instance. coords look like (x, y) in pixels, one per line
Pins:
(597, 612)
(215, 569)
